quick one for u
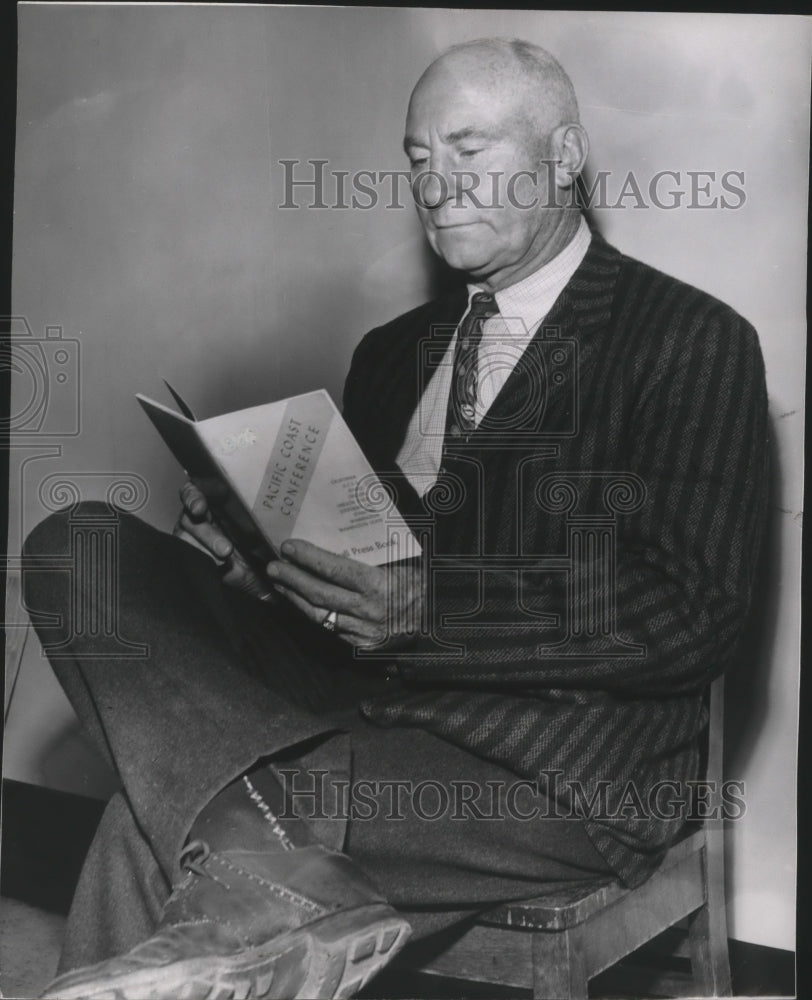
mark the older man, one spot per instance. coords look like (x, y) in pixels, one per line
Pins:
(582, 442)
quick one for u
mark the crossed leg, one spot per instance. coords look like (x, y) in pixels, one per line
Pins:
(229, 682)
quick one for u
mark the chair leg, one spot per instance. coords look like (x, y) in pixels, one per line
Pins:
(707, 935)
(707, 927)
(559, 969)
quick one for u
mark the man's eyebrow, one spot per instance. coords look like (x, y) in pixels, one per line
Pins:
(474, 132)
(469, 132)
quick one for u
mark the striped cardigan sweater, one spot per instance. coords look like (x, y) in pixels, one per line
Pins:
(591, 548)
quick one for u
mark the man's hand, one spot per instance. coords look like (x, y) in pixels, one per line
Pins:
(375, 605)
(197, 526)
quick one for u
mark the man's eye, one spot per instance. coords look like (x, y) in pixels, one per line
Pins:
(468, 153)
(417, 162)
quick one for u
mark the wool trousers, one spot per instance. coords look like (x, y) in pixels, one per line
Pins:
(184, 684)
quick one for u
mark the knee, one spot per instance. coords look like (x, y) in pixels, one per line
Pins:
(51, 537)
(51, 544)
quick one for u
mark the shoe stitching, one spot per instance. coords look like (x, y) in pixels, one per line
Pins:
(244, 940)
(265, 809)
(280, 890)
(198, 859)
(179, 887)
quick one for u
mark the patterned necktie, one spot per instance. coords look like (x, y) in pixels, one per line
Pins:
(460, 421)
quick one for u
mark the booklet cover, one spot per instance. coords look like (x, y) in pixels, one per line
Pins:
(289, 469)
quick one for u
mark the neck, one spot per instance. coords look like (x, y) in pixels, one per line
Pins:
(565, 229)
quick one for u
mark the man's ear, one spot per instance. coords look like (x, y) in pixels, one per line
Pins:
(570, 145)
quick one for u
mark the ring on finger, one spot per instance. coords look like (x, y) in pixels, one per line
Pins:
(330, 621)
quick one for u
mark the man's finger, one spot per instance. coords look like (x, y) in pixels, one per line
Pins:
(197, 495)
(316, 591)
(194, 502)
(327, 565)
(238, 574)
(349, 628)
(190, 539)
(207, 534)
(315, 614)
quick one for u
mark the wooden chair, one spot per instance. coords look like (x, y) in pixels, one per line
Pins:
(556, 943)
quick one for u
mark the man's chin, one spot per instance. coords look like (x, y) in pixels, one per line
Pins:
(461, 257)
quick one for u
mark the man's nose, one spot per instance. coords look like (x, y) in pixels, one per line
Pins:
(431, 189)
(436, 185)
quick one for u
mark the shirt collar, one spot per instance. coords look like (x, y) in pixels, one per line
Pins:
(532, 298)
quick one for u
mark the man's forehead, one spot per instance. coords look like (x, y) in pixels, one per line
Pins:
(459, 107)
(493, 80)
(469, 75)
(417, 132)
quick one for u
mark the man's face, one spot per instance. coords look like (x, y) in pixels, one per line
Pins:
(468, 144)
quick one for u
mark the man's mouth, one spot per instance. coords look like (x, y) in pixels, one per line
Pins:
(455, 225)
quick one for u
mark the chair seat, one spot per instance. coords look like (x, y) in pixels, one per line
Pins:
(555, 943)
(567, 904)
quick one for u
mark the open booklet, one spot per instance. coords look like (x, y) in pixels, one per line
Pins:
(289, 469)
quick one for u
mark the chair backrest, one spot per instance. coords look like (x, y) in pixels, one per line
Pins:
(712, 762)
(714, 773)
(714, 766)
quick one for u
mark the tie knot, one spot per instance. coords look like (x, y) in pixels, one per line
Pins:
(483, 306)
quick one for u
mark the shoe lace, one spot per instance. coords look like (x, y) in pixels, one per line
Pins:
(193, 858)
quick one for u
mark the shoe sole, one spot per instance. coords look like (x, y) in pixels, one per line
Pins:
(344, 958)
(331, 958)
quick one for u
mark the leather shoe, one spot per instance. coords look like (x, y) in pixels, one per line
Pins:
(244, 923)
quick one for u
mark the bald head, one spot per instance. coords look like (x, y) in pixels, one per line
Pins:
(515, 71)
(495, 145)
